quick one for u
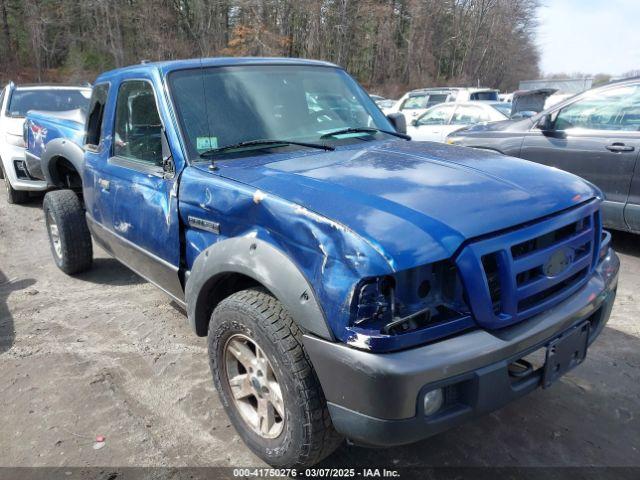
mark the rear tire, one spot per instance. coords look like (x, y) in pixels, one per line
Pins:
(299, 431)
(14, 197)
(69, 235)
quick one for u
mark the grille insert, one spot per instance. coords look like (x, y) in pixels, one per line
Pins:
(539, 297)
(530, 269)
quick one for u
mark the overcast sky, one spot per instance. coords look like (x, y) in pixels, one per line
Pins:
(590, 36)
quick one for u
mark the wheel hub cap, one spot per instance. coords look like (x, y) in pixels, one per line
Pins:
(255, 390)
(54, 234)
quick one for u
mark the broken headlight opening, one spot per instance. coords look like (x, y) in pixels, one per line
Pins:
(410, 300)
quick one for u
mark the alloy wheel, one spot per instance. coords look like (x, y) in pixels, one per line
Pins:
(255, 390)
(54, 234)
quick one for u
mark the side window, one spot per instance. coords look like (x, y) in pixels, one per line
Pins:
(467, 115)
(436, 116)
(614, 109)
(138, 130)
(94, 117)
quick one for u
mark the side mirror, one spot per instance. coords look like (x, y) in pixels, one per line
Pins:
(414, 122)
(398, 121)
(168, 166)
(545, 123)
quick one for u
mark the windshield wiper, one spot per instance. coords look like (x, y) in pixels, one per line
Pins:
(257, 143)
(364, 130)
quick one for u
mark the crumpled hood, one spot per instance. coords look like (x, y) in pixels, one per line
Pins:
(416, 201)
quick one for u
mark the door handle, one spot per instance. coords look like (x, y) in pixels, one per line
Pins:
(619, 147)
(104, 184)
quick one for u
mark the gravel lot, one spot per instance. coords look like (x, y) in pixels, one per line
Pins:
(106, 353)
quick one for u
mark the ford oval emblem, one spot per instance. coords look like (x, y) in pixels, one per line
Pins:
(557, 263)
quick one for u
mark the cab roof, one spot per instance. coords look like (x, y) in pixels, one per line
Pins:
(40, 86)
(454, 89)
(165, 67)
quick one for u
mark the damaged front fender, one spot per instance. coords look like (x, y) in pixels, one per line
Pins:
(310, 263)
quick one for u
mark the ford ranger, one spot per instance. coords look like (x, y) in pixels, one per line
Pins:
(350, 282)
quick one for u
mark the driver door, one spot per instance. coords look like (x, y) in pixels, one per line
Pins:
(136, 189)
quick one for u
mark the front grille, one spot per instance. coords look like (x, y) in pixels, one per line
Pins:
(528, 270)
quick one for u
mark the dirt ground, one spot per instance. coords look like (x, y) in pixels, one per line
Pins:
(106, 353)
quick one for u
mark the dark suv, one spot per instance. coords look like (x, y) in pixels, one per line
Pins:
(595, 135)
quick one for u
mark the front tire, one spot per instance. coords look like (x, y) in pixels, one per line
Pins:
(266, 382)
(14, 197)
(69, 235)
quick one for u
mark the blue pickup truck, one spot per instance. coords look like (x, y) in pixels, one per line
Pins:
(351, 282)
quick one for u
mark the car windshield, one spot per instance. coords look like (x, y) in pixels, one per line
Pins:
(57, 100)
(426, 100)
(415, 102)
(220, 106)
(503, 107)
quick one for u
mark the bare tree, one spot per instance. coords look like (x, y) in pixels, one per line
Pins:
(389, 45)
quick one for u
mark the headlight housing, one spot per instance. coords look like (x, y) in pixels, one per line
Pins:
(409, 301)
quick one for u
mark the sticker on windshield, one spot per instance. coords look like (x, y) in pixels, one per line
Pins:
(206, 143)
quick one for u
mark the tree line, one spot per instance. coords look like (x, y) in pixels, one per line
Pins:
(388, 45)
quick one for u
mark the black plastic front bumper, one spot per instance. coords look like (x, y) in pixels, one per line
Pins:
(376, 399)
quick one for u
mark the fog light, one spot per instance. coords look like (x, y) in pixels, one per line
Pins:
(433, 400)
(21, 169)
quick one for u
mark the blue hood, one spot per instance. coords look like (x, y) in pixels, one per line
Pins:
(416, 201)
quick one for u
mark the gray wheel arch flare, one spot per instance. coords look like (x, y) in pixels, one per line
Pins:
(264, 263)
(64, 148)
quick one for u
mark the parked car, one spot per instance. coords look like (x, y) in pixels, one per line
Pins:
(385, 104)
(595, 135)
(415, 103)
(437, 122)
(15, 102)
(351, 283)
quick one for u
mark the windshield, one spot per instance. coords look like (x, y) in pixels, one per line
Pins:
(220, 106)
(57, 100)
(422, 101)
(415, 102)
(503, 107)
